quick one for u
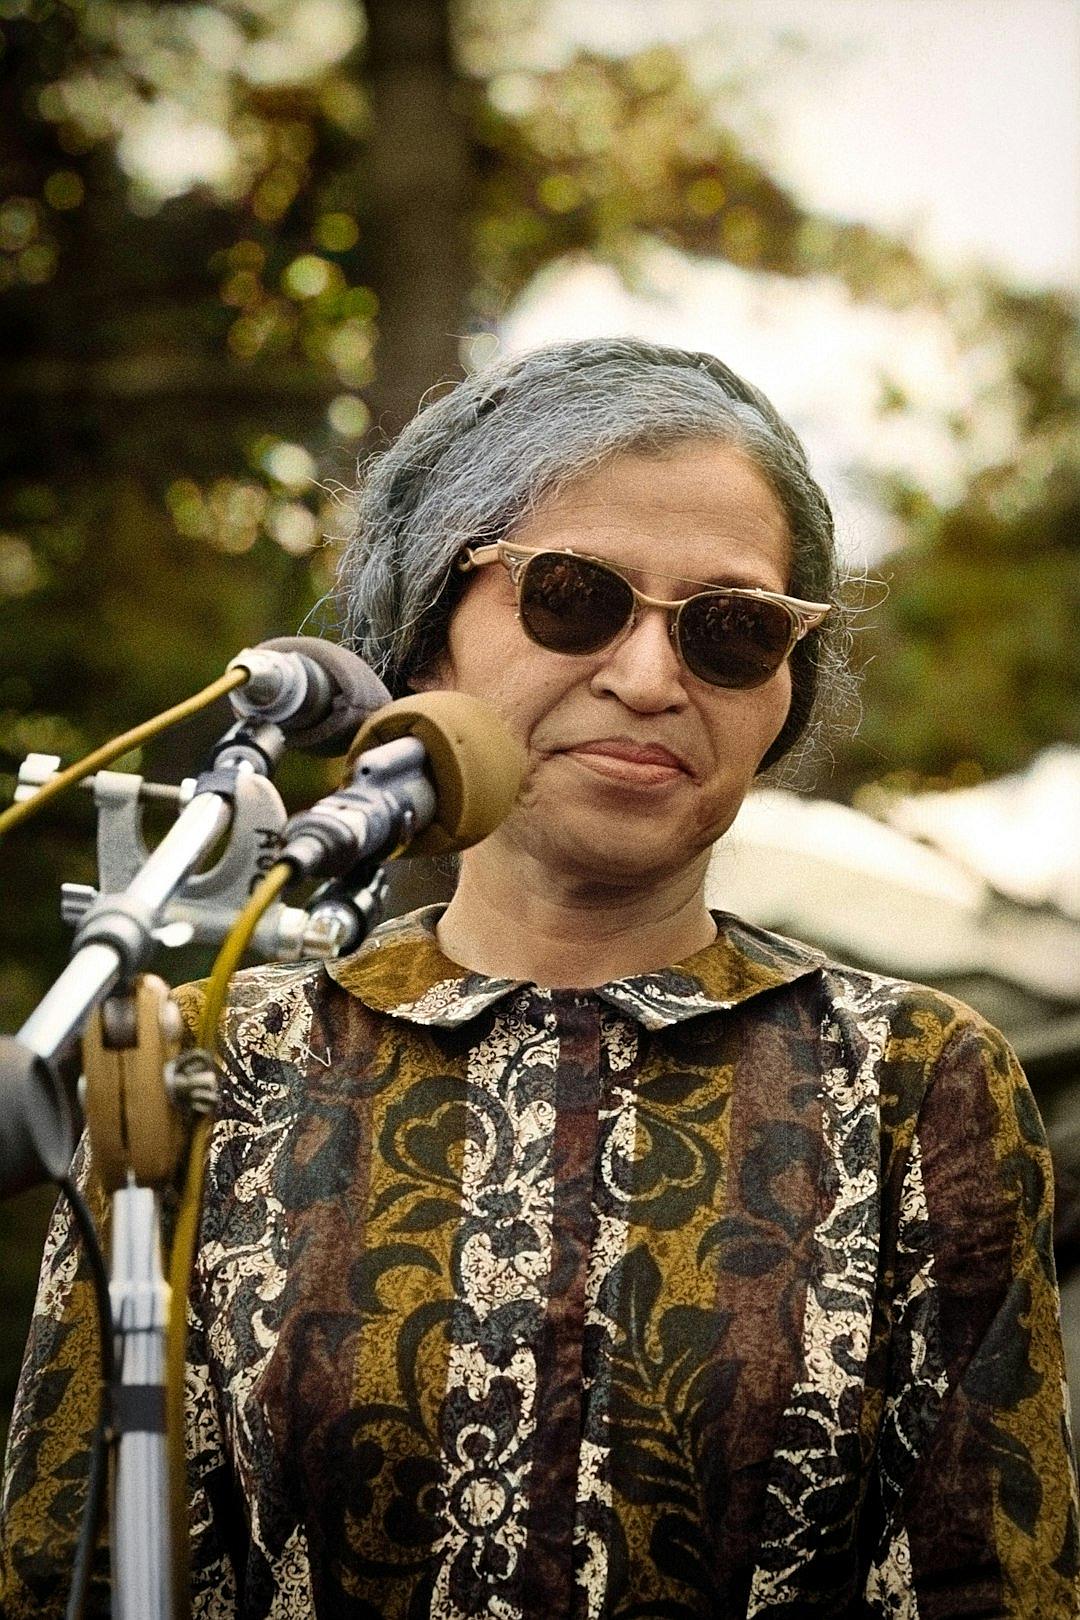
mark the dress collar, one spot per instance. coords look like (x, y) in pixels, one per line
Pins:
(401, 970)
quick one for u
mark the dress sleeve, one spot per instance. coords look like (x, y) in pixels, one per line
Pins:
(55, 1412)
(973, 1506)
(47, 1463)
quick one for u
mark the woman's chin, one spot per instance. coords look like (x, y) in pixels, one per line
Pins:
(633, 850)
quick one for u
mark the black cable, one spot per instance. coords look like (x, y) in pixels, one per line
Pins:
(97, 1476)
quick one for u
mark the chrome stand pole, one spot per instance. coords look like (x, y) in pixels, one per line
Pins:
(142, 1587)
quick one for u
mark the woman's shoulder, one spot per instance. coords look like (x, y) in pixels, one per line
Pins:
(250, 989)
(843, 983)
(270, 1030)
(262, 1002)
(882, 1018)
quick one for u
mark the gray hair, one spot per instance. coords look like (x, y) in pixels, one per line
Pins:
(473, 463)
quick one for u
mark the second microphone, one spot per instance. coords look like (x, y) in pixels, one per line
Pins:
(433, 773)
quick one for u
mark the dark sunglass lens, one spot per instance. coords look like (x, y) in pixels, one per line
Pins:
(733, 640)
(571, 605)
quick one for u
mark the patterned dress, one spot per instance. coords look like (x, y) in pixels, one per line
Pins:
(720, 1291)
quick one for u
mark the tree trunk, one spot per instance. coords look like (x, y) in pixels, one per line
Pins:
(420, 178)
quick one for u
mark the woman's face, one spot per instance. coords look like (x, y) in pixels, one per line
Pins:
(635, 766)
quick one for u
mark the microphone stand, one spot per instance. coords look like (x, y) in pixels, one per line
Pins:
(139, 1092)
(114, 939)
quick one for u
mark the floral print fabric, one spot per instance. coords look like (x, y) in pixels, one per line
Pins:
(724, 1291)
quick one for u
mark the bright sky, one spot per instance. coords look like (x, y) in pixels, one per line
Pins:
(956, 122)
(958, 118)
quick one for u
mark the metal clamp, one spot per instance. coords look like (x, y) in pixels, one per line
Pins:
(204, 909)
(192, 1083)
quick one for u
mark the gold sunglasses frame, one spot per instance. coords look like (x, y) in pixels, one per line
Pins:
(803, 616)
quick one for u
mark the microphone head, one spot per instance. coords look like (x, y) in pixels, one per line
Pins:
(474, 763)
(357, 692)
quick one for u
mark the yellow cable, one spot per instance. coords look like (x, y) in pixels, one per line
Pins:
(236, 943)
(17, 813)
(187, 1227)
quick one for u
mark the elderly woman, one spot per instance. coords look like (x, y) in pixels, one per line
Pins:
(574, 1250)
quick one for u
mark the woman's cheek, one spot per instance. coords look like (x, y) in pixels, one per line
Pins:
(775, 705)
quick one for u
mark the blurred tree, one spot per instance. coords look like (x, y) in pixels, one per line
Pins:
(192, 217)
(604, 156)
(975, 664)
(418, 161)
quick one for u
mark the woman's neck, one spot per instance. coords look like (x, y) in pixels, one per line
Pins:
(520, 923)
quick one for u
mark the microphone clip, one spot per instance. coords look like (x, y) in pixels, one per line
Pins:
(281, 686)
(387, 799)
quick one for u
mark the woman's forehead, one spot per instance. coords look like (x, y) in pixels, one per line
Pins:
(702, 511)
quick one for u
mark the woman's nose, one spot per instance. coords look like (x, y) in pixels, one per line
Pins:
(643, 669)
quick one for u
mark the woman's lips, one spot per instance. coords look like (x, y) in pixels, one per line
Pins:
(642, 763)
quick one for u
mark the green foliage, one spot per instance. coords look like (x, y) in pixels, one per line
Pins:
(177, 356)
(599, 154)
(975, 660)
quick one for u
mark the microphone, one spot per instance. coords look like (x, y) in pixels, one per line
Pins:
(317, 692)
(435, 772)
(37, 1137)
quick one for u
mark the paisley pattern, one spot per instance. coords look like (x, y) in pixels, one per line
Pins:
(502, 1261)
(818, 1433)
(724, 1291)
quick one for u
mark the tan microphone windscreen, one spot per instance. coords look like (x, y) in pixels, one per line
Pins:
(475, 764)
